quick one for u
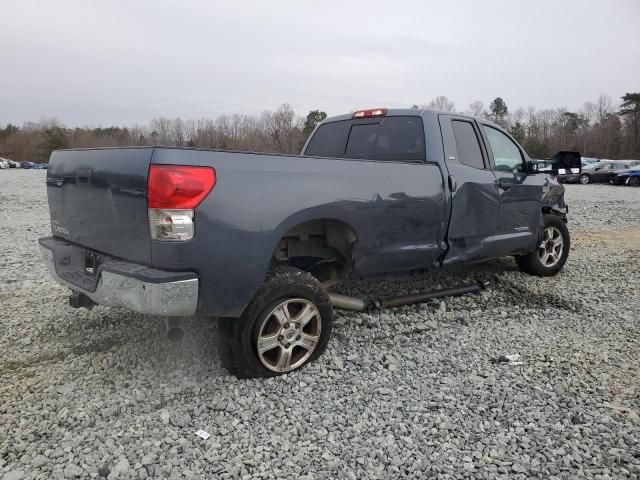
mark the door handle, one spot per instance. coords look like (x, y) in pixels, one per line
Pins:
(505, 184)
(452, 183)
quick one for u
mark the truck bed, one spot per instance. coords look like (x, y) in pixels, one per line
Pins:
(97, 199)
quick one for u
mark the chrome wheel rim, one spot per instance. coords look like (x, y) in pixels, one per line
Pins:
(550, 250)
(584, 179)
(288, 335)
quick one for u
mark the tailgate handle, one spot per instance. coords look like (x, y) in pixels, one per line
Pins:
(83, 177)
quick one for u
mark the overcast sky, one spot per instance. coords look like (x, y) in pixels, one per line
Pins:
(91, 62)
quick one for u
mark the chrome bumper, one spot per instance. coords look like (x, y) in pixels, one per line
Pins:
(171, 298)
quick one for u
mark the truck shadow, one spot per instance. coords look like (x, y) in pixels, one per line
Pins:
(126, 341)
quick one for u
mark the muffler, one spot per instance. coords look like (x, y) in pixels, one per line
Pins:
(175, 332)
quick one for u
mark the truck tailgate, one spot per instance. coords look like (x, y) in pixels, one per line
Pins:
(97, 199)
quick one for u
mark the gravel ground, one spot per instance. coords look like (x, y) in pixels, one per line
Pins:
(406, 393)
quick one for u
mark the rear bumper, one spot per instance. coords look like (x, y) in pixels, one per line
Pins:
(569, 177)
(121, 284)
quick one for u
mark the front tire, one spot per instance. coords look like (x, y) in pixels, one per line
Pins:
(286, 325)
(584, 179)
(634, 181)
(552, 252)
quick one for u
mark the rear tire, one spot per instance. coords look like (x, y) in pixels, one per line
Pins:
(634, 181)
(552, 252)
(286, 325)
(584, 179)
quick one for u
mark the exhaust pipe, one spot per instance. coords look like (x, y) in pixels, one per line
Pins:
(348, 303)
(356, 304)
(175, 332)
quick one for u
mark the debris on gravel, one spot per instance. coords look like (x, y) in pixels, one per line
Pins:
(409, 392)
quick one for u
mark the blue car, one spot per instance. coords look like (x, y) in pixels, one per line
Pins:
(29, 165)
(628, 177)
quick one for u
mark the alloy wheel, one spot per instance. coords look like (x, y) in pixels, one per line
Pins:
(289, 335)
(550, 250)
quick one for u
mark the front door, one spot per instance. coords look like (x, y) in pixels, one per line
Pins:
(474, 192)
(520, 212)
(603, 172)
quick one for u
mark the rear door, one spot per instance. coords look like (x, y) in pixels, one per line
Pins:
(474, 192)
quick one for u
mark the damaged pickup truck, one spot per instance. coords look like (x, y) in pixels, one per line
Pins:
(254, 238)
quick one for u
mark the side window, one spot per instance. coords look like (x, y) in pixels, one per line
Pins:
(506, 154)
(467, 143)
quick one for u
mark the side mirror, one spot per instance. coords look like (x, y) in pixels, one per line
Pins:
(561, 163)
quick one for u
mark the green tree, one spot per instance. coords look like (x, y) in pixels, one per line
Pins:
(53, 138)
(313, 119)
(573, 123)
(630, 108)
(518, 132)
(8, 130)
(498, 109)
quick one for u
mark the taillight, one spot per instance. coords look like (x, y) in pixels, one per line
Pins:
(173, 193)
(374, 112)
(178, 186)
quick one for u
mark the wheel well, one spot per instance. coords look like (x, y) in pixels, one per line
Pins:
(550, 211)
(323, 248)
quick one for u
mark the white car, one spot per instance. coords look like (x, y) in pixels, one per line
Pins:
(4, 163)
(12, 163)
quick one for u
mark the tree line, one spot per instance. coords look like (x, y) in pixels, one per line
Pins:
(601, 129)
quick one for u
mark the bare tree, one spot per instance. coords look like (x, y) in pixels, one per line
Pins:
(596, 130)
(476, 109)
(441, 103)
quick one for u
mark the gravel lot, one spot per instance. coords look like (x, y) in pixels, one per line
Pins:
(410, 392)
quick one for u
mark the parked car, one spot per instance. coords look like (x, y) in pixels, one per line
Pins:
(29, 165)
(251, 237)
(623, 165)
(4, 164)
(588, 160)
(627, 177)
(600, 172)
(12, 164)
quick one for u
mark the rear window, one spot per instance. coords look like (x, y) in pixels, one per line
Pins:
(385, 138)
(329, 140)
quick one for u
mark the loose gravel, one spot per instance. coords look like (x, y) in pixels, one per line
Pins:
(413, 392)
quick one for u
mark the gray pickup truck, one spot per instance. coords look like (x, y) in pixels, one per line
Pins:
(254, 238)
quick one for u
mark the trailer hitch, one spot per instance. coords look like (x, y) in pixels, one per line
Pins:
(79, 300)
